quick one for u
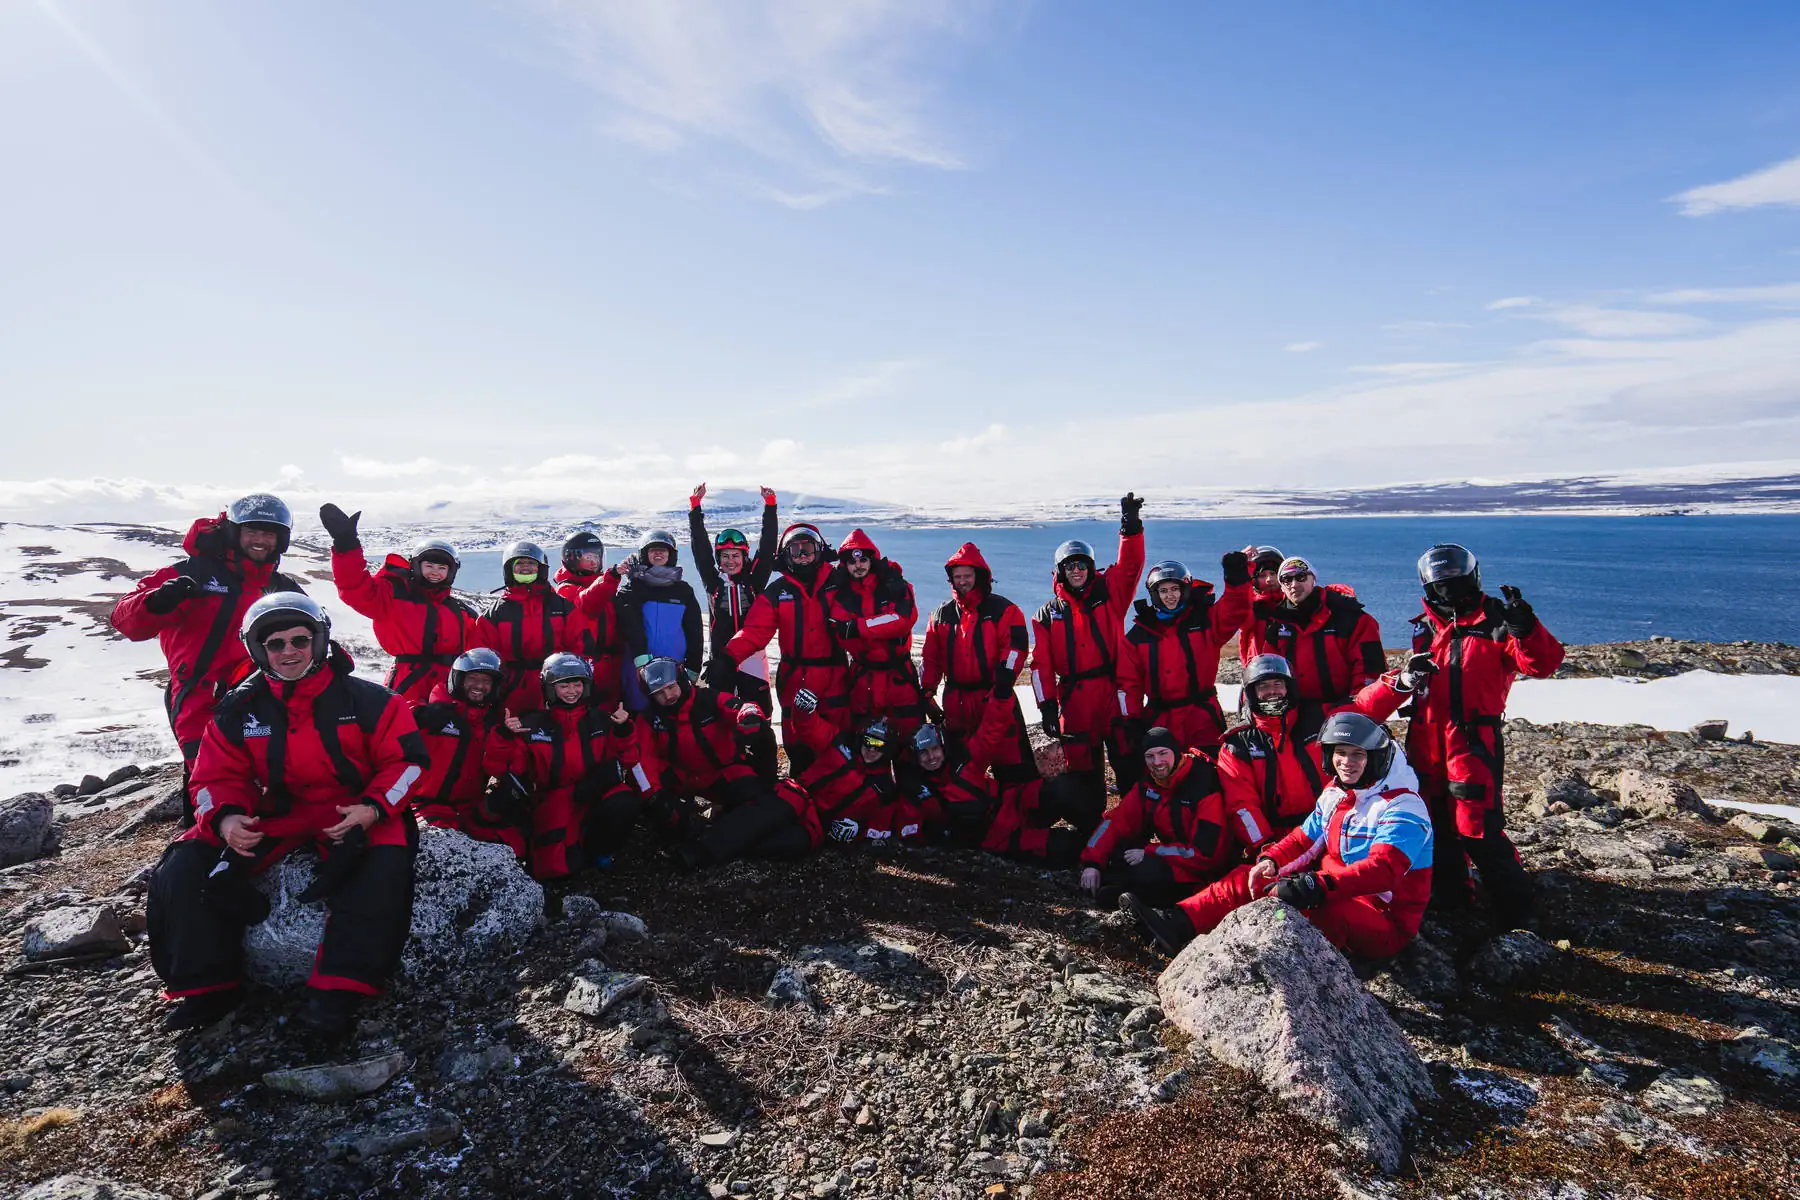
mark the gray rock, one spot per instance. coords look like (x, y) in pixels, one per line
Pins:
(74, 930)
(580, 910)
(1513, 957)
(166, 807)
(395, 1132)
(338, 1081)
(1267, 994)
(63, 791)
(1712, 729)
(1753, 827)
(88, 1187)
(1103, 992)
(89, 785)
(1141, 1019)
(596, 989)
(1627, 659)
(622, 926)
(1655, 796)
(1683, 1094)
(472, 902)
(1609, 853)
(467, 1064)
(1757, 1052)
(788, 988)
(27, 828)
(128, 771)
(1569, 789)
(1424, 971)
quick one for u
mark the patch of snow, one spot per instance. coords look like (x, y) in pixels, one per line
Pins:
(1767, 704)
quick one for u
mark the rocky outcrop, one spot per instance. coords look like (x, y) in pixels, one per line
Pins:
(1267, 994)
(27, 828)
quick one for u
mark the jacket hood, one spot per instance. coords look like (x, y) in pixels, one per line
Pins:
(565, 575)
(858, 540)
(969, 555)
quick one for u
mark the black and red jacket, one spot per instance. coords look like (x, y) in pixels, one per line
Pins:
(457, 736)
(796, 613)
(729, 599)
(1075, 635)
(527, 623)
(562, 747)
(423, 625)
(880, 605)
(200, 637)
(1271, 775)
(1330, 641)
(1182, 822)
(1169, 662)
(974, 642)
(600, 636)
(290, 754)
(697, 744)
(841, 786)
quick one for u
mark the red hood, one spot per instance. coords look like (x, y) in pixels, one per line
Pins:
(969, 555)
(1343, 589)
(858, 540)
(440, 694)
(579, 578)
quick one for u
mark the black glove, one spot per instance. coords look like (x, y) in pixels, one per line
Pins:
(1520, 620)
(1052, 723)
(341, 528)
(751, 721)
(844, 631)
(1129, 508)
(1135, 729)
(1237, 568)
(1003, 686)
(167, 598)
(1301, 891)
(336, 866)
(1418, 669)
(228, 889)
(721, 673)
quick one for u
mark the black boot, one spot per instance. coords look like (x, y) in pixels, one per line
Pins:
(329, 1013)
(1170, 927)
(197, 1012)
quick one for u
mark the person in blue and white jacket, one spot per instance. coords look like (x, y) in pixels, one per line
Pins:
(1359, 866)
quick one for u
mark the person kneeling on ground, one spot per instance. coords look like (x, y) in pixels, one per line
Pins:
(579, 766)
(460, 725)
(302, 754)
(854, 797)
(1359, 867)
(1169, 835)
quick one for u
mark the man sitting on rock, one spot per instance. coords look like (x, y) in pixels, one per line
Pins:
(303, 754)
(1359, 867)
(1169, 834)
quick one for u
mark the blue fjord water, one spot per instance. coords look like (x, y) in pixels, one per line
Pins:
(1592, 579)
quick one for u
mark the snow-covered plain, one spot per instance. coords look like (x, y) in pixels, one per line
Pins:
(75, 697)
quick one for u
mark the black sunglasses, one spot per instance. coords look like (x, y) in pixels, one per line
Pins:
(300, 641)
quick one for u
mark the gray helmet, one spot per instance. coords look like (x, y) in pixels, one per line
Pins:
(479, 661)
(260, 508)
(659, 673)
(436, 550)
(562, 667)
(284, 610)
(1266, 558)
(927, 737)
(657, 537)
(530, 550)
(1167, 571)
(1268, 666)
(1354, 729)
(1074, 548)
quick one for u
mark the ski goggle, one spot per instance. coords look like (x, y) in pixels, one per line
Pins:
(300, 641)
(731, 539)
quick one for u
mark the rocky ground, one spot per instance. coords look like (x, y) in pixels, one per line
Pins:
(947, 1024)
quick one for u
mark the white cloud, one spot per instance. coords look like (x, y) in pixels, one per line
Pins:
(993, 435)
(1513, 302)
(1622, 322)
(1778, 184)
(1303, 347)
(1409, 368)
(374, 468)
(778, 452)
(823, 90)
(879, 379)
(289, 473)
(715, 459)
(1774, 293)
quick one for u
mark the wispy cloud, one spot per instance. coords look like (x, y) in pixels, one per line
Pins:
(1302, 347)
(993, 435)
(877, 379)
(1409, 368)
(1622, 322)
(1778, 184)
(1772, 294)
(1513, 302)
(821, 92)
(374, 468)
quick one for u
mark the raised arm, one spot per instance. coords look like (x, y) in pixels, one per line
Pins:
(766, 542)
(704, 562)
(1232, 608)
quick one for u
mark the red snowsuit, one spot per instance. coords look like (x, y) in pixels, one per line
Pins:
(527, 623)
(1183, 822)
(1331, 643)
(1075, 655)
(1372, 848)
(1272, 778)
(883, 680)
(200, 637)
(693, 749)
(424, 626)
(290, 754)
(582, 767)
(839, 786)
(1169, 667)
(975, 645)
(600, 637)
(795, 612)
(960, 796)
(461, 739)
(1453, 739)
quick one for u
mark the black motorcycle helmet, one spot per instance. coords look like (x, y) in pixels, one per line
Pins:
(1266, 558)
(1167, 571)
(434, 550)
(479, 661)
(585, 542)
(284, 610)
(1268, 666)
(519, 550)
(260, 508)
(1451, 577)
(657, 537)
(1071, 551)
(560, 668)
(1354, 729)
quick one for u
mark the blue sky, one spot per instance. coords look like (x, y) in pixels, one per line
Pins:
(914, 250)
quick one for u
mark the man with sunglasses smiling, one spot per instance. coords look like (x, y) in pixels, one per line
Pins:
(302, 755)
(1331, 642)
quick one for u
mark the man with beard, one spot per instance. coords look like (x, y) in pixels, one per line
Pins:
(975, 645)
